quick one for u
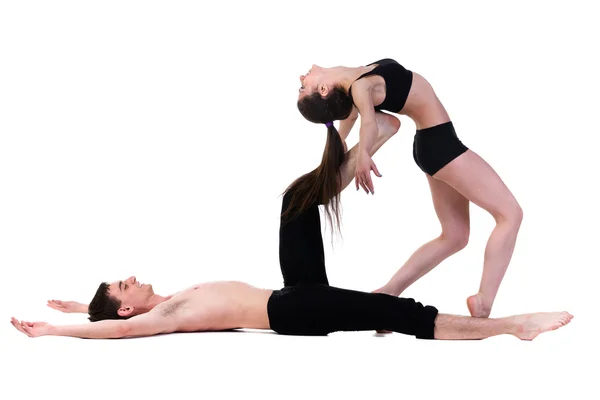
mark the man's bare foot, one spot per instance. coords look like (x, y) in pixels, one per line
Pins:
(529, 326)
(476, 307)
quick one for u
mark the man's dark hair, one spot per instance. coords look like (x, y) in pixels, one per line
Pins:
(103, 306)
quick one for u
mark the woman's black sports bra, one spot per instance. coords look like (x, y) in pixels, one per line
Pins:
(398, 81)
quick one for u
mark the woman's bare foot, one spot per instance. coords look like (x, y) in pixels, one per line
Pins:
(387, 124)
(529, 326)
(476, 306)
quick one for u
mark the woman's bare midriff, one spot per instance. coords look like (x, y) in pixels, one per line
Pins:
(423, 105)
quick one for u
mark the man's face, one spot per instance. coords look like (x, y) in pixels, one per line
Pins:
(133, 295)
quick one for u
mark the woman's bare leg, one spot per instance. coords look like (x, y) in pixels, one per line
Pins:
(452, 210)
(467, 178)
(475, 179)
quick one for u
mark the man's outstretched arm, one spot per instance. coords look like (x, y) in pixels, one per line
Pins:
(68, 306)
(148, 324)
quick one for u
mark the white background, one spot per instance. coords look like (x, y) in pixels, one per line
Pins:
(154, 139)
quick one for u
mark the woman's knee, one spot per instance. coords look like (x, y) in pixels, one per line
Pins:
(456, 237)
(510, 213)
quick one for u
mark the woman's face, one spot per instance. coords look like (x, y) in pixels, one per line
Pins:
(311, 81)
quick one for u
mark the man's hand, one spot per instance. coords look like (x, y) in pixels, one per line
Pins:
(31, 329)
(68, 306)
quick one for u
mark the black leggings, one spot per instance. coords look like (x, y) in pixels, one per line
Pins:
(307, 305)
(301, 254)
(317, 310)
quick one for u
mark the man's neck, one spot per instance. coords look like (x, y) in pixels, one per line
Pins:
(156, 300)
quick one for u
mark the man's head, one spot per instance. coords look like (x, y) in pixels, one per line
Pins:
(120, 300)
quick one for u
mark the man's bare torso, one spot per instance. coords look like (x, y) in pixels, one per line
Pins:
(216, 306)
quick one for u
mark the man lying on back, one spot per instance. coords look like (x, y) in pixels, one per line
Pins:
(307, 305)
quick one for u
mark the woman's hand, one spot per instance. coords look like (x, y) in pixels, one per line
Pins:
(362, 175)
